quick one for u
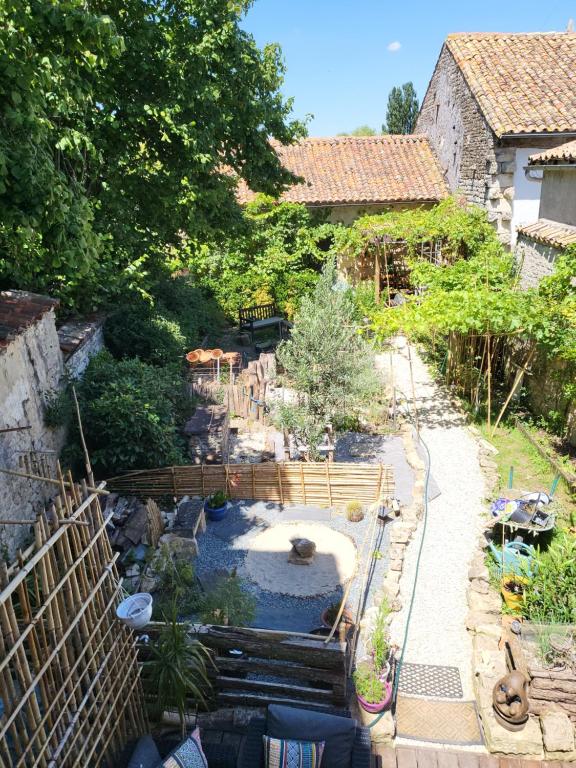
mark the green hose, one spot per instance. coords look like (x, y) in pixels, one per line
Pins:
(415, 584)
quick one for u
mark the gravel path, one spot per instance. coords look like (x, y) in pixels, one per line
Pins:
(437, 629)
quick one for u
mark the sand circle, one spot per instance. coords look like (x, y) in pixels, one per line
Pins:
(267, 560)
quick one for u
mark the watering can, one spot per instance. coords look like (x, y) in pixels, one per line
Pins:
(515, 557)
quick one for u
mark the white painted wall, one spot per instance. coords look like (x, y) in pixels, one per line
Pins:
(526, 204)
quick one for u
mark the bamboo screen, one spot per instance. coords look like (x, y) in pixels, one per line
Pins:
(69, 680)
(317, 483)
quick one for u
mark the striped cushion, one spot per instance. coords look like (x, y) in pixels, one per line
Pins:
(284, 753)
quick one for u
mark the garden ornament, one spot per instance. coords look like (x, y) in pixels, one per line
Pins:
(302, 552)
(510, 701)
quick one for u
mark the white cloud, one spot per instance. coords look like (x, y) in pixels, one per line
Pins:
(395, 46)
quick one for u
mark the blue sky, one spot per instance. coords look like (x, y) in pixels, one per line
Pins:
(339, 66)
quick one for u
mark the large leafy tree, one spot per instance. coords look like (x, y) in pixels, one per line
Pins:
(402, 110)
(119, 123)
(51, 55)
(191, 97)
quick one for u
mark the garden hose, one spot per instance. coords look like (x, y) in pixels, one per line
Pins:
(415, 584)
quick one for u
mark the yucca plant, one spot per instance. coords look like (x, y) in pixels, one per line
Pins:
(176, 670)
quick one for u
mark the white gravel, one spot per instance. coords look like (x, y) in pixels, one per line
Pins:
(437, 633)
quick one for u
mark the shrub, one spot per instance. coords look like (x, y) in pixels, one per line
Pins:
(176, 585)
(130, 412)
(550, 595)
(228, 603)
(196, 312)
(138, 331)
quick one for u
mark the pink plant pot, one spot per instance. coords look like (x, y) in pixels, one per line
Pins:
(378, 706)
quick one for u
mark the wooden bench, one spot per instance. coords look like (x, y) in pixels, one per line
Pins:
(262, 316)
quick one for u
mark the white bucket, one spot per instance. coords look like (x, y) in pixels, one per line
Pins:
(135, 611)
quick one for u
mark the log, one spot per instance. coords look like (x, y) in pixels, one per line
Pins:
(283, 689)
(234, 698)
(271, 667)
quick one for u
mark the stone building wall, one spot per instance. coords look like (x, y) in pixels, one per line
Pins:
(489, 171)
(460, 136)
(535, 260)
(31, 366)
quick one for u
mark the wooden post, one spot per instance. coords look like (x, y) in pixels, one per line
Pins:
(377, 273)
(280, 489)
(302, 483)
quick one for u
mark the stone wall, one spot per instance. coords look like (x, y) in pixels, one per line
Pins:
(80, 340)
(536, 260)
(347, 214)
(31, 366)
(545, 388)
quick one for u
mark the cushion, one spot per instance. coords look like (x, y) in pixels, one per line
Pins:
(145, 754)
(284, 753)
(189, 754)
(338, 733)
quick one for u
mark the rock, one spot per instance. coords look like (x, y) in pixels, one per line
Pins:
(396, 552)
(528, 741)
(478, 571)
(384, 730)
(400, 533)
(303, 547)
(488, 446)
(133, 571)
(473, 430)
(180, 546)
(558, 731)
(480, 586)
(491, 630)
(477, 619)
(486, 463)
(490, 603)
(396, 565)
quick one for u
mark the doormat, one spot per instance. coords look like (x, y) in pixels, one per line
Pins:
(442, 722)
(431, 681)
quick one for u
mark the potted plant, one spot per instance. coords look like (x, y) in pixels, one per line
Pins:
(354, 512)
(175, 671)
(330, 613)
(373, 694)
(512, 587)
(216, 505)
(379, 643)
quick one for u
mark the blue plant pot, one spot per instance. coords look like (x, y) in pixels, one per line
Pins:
(215, 513)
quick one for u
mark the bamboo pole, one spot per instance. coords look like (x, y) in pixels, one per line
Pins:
(517, 381)
(489, 379)
(29, 476)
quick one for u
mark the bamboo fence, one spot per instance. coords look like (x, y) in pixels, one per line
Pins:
(322, 484)
(69, 678)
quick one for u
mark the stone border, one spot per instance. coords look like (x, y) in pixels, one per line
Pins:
(401, 533)
(542, 735)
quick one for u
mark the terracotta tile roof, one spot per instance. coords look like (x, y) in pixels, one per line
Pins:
(550, 233)
(565, 153)
(360, 169)
(19, 310)
(523, 83)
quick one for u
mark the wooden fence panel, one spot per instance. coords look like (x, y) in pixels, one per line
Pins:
(316, 483)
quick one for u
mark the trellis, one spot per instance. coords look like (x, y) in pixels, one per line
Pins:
(69, 677)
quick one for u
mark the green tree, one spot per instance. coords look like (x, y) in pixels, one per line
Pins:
(326, 359)
(120, 123)
(362, 130)
(402, 110)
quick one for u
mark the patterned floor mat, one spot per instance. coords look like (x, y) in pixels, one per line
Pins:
(430, 681)
(442, 722)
